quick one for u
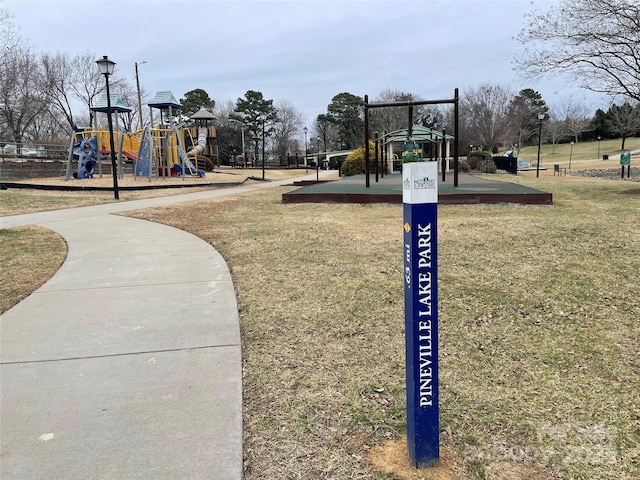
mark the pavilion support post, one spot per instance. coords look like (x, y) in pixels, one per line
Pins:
(376, 157)
(366, 140)
(444, 154)
(456, 135)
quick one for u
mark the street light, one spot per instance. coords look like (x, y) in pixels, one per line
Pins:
(244, 158)
(540, 117)
(570, 154)
(306, 150)
(598, 157)
(139, 97)
(106, 67)
(255, 141)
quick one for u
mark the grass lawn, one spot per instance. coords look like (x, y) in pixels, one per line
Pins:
(539, 332)
(29, 256)
(540, 341)
(580, 153)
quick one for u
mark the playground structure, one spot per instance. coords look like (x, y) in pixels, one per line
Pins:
(159, 150)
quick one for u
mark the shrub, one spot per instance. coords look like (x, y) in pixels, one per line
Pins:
(354, 163)
(487, 165)
(474, 162)
(477, 153)
(463, 165)
(476, 158)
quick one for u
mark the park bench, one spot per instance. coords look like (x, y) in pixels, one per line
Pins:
(559, 170)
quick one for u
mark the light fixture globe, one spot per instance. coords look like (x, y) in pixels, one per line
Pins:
(105, 65)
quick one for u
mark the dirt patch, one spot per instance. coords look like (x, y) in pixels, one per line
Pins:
(392, 457)
(633, 191)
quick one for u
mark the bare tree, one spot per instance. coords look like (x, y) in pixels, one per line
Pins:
(223, 110)
(556, 129)
(487, 115)
(129, 95)
(288, 124)
(229, 134)
(576, 118)
(624, 120)
(46, 128)
(594, 42)
(390, 119)
(59, 76)
(89, 83)
(9, 38)
(21, 100)
(327, 131)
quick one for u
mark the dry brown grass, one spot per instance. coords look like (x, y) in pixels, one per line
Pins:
(538, 326)
(29, 256)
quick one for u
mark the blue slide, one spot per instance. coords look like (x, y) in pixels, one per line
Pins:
(86, 152)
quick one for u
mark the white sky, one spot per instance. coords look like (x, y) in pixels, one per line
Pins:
(301, 51)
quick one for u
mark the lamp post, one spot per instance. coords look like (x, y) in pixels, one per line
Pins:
(244, 157)
(318, 162)
(570, 154)
(598, 157)
(540, 118)
(255, 141)
(106, 67)
(306, 150)
(139, 97)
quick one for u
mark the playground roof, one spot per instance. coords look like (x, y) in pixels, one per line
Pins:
(202, 114)
(117, 103)
(164, 100)
(418, 134)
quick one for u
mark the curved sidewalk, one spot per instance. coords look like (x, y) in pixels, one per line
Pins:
(127, 363)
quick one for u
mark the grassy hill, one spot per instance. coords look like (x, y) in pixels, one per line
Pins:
(581, 153)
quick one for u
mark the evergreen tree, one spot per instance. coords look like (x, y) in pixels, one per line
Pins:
(345, 111)
(257, 114)
(194, 100)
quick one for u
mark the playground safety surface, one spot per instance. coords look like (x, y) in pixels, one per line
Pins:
(470, 190)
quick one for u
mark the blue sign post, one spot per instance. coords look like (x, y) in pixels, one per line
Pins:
(420, 205)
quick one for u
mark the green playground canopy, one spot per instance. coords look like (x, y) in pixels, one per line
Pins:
(117, 103)
(164, 100)
(418, 134)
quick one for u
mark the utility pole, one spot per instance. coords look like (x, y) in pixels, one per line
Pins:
(139, 97)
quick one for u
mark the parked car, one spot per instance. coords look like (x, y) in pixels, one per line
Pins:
(25, 151)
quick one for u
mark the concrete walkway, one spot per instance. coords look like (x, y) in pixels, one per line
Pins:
(127, 363)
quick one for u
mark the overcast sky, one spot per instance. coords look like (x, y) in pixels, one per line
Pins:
(301, 51)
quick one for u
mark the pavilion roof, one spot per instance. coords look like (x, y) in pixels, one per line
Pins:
(419, 134)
